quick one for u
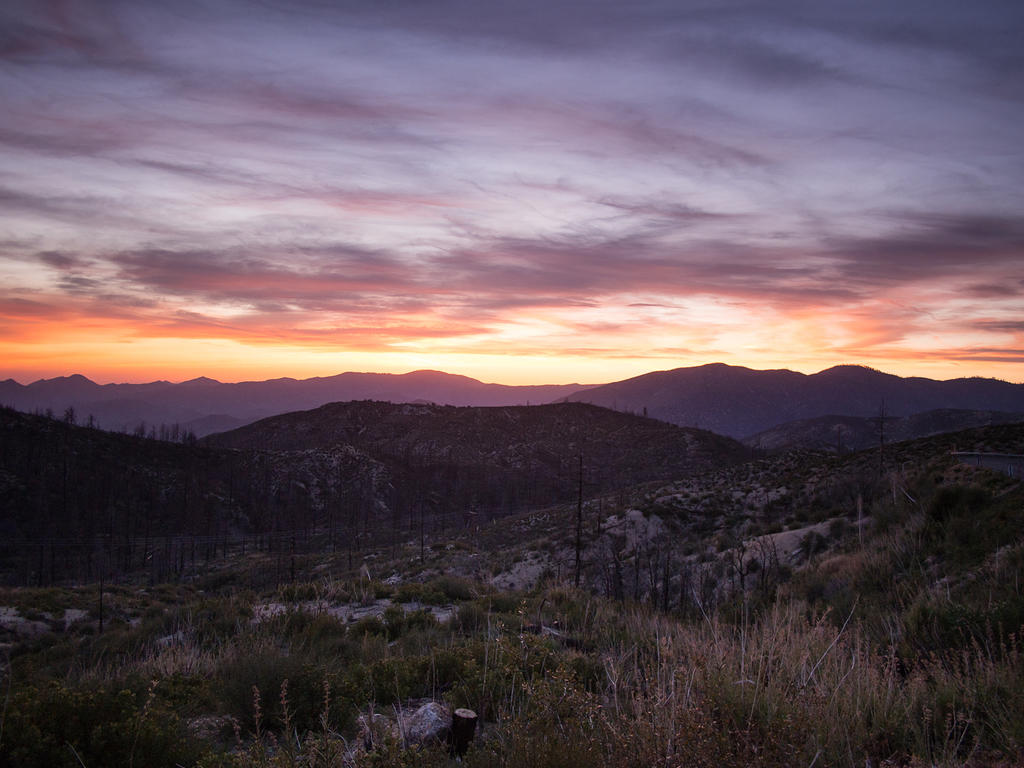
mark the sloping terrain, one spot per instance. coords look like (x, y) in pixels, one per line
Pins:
(495, 458)
(853, 433)
(68, 493)
(729, 400)
(689, 542)
(738, 401)
(346, 471)
(801, 609)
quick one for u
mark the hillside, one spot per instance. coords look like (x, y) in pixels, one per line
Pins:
(346, 472)
(73, 498)
(740, 402)
(494, 458)
(801, 609)
(852, 433)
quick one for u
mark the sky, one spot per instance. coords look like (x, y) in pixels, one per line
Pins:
(536, 191)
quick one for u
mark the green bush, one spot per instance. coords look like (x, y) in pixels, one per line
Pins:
(394, 622)
(61, 727)
(503, 602)
(471, 618)
(325, 639)
(368, 625)
(261, 675)
(409, 592)
(420, 621)
(451, 588)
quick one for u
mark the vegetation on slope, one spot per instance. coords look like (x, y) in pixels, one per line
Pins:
(896, 642)
(80, 502)
(509, 457)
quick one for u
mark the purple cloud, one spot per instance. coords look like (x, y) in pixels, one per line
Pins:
(448, 170)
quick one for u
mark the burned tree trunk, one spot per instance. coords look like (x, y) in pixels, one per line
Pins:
(463, 729)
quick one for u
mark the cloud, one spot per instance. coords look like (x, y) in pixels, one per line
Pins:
(73, 137)
(86, 211)
(985, 355)
(995, 290)
(924, 247)
(639, 264)
(1008, 326)
(14, 307)
(327, 275)
(662, 209)
(684, 177)
(59, 259)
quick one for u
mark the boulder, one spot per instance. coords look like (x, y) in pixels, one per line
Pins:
(430, 722)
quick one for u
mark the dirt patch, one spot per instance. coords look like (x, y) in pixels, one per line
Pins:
(349, 612)
(788, 544)
(635, 527)
(523, 574)
(73, 616)
(12, 621)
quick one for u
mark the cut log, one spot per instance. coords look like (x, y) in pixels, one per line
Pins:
(463, 729)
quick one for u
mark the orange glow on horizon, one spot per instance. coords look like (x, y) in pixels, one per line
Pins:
(144, 360)
(587, 344)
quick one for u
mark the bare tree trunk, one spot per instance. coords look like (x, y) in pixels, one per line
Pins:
(463, 729)
(579, 524)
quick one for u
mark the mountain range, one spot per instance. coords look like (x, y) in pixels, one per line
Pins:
(206, 405)
(740, 402)
(730, 400)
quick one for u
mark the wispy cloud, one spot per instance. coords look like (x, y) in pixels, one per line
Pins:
(615, 181)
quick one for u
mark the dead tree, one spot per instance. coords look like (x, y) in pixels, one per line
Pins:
(767, 554)
(463, 728)
(739, 566)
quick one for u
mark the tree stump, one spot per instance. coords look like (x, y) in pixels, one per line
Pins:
(463, 728)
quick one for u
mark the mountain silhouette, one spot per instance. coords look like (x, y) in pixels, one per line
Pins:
(740, 402)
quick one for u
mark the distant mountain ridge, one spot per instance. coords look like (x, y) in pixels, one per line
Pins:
(731, 400)
(740, 402)
(206, 405)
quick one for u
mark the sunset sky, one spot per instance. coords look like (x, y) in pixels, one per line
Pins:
(534, 191)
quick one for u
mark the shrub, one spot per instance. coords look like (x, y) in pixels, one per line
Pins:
(394, 621)
(955, 501)
(368, 625)
(409, 592)
(263, 674)
(422, 620)
(325, 638)
(61, 727)
(471, 618)
(452, 588)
